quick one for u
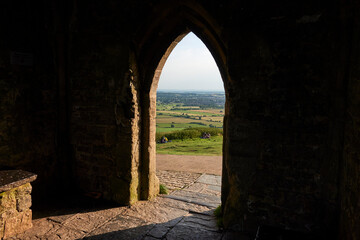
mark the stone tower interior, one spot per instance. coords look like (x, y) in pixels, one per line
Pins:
(78, 89)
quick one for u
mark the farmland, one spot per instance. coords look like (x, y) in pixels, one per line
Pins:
(177, 111)
(180, 114)
(196, 146)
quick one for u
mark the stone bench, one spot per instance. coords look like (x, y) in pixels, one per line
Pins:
(15, 202)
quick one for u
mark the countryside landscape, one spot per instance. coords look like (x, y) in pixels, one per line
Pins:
(185, 118)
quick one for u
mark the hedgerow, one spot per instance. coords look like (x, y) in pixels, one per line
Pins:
(189, 133)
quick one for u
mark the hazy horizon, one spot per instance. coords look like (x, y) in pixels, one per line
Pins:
(189, 90)
(190, 67)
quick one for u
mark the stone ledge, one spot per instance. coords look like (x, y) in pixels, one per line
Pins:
(10, 179)
(15, 203)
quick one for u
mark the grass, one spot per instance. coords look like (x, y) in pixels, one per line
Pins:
(218, 216)
(189, 112)
(196, 146)
(211, 110)
(163, 189)
(170, 119)
(176, 124)
(181, 124)
(195, 112)
(196, 132)
(166, 127)
(186, 118)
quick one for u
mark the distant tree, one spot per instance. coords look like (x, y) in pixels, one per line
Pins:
(199, 118)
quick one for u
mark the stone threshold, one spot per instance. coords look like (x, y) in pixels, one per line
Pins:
(187, 200)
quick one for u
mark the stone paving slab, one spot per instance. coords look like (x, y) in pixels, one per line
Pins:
(192, 201)
(121, 227)
(210, 179)
(161, 218)
(154, 211)
(159, 231)
(197, 198)
(150, 238)
(204, 188)
(62, 232)
(215, 188)
(40, 228)
(189, 207)
(86, 222)
(60, 218)
(176, 180)
(185, 232)
(200, 221)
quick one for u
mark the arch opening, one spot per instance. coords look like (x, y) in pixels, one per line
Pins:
(149, 102)
(189, 115)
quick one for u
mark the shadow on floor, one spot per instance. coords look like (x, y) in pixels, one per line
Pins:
(73, 203)
(193, 226)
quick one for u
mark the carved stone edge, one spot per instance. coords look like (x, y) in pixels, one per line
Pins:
(10, 179)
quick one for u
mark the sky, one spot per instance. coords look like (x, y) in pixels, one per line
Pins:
(190, 66)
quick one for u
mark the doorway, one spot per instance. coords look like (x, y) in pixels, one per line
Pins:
(190, 105)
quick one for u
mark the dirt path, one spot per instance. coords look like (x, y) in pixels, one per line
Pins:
(185, 163)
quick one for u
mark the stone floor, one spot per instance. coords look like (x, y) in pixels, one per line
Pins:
(175, 180)
(186, 213)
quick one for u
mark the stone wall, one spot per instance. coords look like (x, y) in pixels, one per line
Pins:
(15, 213)
(283, 137)
(350, 167)
(104, 102)
(28, 92)
(82, 109)
(280, 167)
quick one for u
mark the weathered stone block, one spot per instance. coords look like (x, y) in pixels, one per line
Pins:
(15, 215)
(24, 189)
(15, 202)
(23, 203)
(18, 223)
(7, 201)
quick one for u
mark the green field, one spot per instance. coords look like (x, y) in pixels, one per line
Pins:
(196, 146)
(171, 117)
(175, 120)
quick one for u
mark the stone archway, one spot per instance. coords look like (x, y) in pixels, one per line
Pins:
(286, 68)
(157, 46)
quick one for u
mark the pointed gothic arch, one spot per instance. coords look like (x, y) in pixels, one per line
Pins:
(158, 41)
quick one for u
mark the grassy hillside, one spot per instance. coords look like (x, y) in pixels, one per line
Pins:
(184, 117)
(198, 146)
(189, 142)
(171, 118)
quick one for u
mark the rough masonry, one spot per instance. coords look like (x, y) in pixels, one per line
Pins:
(78, 88)
(15, 202)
